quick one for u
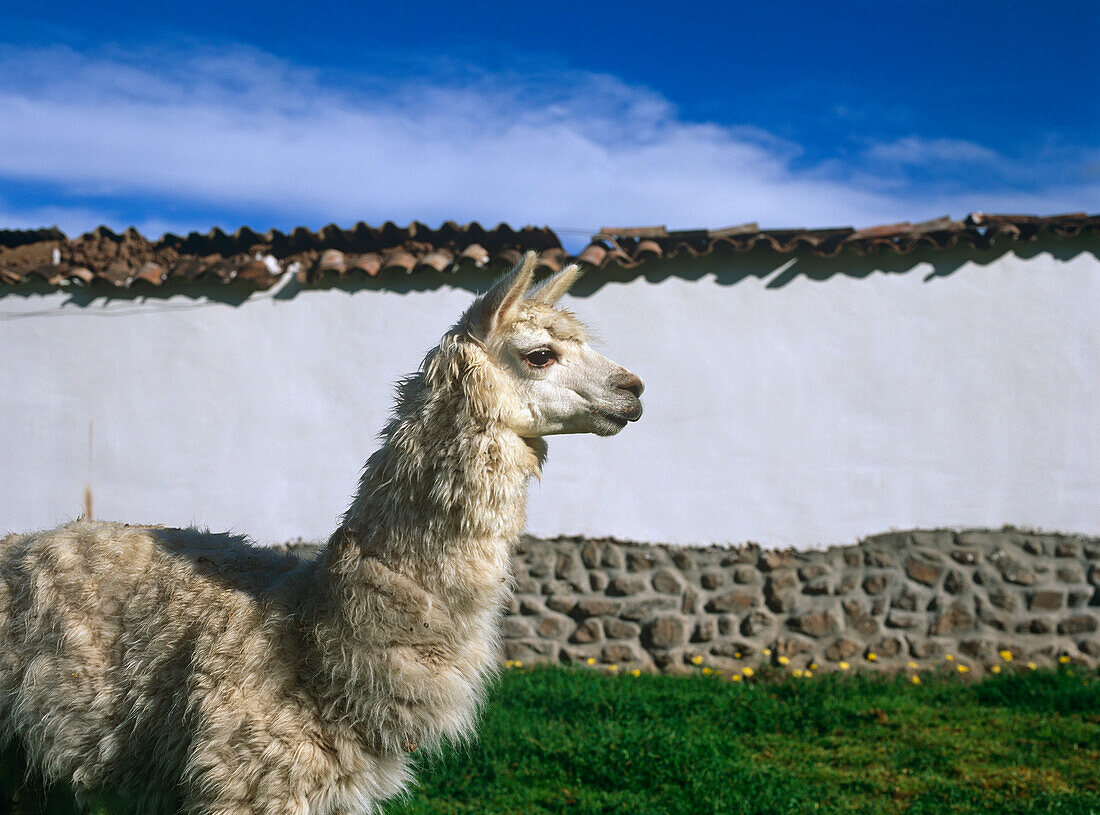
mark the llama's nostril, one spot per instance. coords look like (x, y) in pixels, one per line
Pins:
(629, 382)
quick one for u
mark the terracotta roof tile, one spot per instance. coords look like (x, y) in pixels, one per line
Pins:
(260, 260)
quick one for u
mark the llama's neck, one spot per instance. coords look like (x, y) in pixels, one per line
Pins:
(446, 491)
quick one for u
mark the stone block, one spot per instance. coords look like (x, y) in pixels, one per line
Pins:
(967, 557)
(816, 587)
(563, 604)
(689, 603)
(684, 559)
(847, 584)
(616, 629)
(735, 601)
(875, 583)
(897, 619)
(1003, 600)
(617, 652)
(590, 555)
(611, 556)
(954, 620)
(746, 575)
(640, 561)
(1035, 626)
(879, 559)
(886, 648)
(588, 631)
(859, 620)
(1078, 624)
(529, 606)
(812, 571)
(554, 627)
(1076, 599)
(840, 649)
(704, 631)
(773, 559)
(1070, 573)
(813, 624)
(530, 652)
(597, 581)
(954, 583)
(638, 609)
(664, 632)
(667, 582)
(1065, 549)
(1045, 601)
(922, 571)
(1012, 570)
(924, 649)
(754, 624)
(625, 586)
(594, 607)
(711, 580)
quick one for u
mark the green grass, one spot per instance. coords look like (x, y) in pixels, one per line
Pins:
(580, 741)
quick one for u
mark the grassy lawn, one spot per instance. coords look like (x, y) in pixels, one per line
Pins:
(557, 740)
(581, 741)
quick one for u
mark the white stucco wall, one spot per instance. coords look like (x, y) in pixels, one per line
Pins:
(810, 413)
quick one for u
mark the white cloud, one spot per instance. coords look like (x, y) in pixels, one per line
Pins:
(238, 129)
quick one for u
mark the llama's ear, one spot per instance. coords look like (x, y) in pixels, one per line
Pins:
(549, 291)
(501, 303)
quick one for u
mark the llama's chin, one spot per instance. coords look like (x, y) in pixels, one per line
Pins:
(608, 423)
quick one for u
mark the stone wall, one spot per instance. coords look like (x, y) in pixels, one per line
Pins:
(898, 600)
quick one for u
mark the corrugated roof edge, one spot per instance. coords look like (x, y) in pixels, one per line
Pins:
(259, 260)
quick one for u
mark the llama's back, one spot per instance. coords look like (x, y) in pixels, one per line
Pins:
(101, 625)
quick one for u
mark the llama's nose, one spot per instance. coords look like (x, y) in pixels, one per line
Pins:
(625, 380)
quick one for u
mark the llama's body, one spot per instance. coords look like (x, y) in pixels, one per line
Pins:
(191, 669)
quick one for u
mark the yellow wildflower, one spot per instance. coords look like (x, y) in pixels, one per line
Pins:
(736, 677)
(914, 679)
(747, 671)
(737, 655)
(808, 674)
(697, 659)
(767, 652)
(995, 669)
(963, 669)
(635, 672)
(1063, 659)
(517, 664)
(612, 668)
(872, 657)
(1006, 656)
(508, 663)
(707, 671)
(844, 666)
(949, 657)
(912, 665)
(784, 661)
(813, 666)
(1032, 666)
(797, 673)
(591, 661)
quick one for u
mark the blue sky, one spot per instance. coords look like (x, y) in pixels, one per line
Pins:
(573, 115)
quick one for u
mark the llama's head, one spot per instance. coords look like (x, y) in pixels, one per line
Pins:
(544, 375)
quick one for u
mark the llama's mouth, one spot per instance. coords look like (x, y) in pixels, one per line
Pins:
(615, 421)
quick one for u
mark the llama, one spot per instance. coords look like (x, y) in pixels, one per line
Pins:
(197, 672)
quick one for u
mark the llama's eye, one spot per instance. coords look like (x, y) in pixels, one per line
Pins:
(540, 358)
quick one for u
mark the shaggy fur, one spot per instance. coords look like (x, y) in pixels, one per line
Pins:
(193, 670)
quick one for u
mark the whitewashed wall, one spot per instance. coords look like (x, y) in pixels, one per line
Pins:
(781, 409)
